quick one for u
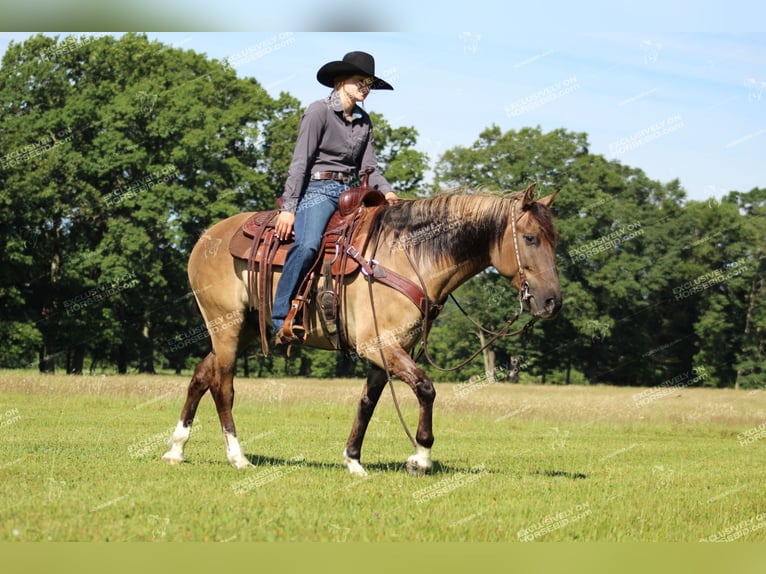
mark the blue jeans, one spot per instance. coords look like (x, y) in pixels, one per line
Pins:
(314, 211)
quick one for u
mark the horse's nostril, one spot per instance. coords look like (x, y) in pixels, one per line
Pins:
(552, 305)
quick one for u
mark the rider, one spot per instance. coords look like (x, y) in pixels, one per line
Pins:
(334, 143)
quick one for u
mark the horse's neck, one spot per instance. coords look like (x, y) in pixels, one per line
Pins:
(443, 281)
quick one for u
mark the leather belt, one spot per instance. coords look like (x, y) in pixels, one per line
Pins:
(335, 175)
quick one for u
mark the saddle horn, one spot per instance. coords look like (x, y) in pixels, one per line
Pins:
(350, 200)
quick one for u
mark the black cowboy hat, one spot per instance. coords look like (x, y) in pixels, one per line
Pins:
(353, 63)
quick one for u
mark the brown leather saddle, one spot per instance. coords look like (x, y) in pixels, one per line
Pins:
(256, 243)
(258, 232)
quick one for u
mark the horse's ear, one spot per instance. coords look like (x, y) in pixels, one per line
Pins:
(529, 195)
(547, 201)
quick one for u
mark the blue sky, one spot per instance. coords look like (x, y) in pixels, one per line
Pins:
(688, 105)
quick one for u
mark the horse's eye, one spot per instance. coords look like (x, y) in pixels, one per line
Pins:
(530, 239)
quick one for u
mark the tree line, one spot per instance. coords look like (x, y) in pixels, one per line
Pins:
(116, 155)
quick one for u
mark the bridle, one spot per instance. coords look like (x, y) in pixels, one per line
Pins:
(523, 283)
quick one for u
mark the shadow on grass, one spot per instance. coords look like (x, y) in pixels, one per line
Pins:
(561, 473)
(261, 462)
(437, 467)
(387, 467)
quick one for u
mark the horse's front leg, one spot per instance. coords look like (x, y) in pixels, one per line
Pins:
(376, 382)
(401, 365)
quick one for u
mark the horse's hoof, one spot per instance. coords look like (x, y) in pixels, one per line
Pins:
(353, 465)
(416, 467)
(240, 463)
(356, 469)
(419, 463)
(172, 457)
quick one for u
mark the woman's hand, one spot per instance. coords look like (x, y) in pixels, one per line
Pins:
(391, 197)
(284, 226)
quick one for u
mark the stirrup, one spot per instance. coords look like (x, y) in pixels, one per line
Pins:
(290, 334)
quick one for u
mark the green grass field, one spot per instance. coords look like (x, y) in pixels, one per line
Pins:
(80, 461)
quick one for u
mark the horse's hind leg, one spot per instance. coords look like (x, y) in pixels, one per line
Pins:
(200, 383)
(376, 382)
(222, 390)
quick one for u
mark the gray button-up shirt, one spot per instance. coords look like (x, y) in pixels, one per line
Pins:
(327, 142)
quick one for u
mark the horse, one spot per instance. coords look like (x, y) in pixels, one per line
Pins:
(437, 242)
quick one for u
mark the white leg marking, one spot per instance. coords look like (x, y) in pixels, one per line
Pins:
(353, 465)
(419, 463)
(234, 452)
(176, 443)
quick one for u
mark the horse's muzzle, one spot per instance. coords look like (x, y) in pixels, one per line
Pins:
(548, 310)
